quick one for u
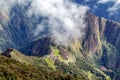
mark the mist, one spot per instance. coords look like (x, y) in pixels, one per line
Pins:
(64, 20)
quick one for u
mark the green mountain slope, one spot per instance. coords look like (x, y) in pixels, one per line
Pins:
(13, 70)
(80, 68)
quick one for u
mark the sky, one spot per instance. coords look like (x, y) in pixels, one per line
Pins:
(112, 9)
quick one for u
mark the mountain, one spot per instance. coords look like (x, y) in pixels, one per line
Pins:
(101, 36)
(16, 55)
(108, 9)
(14, 70)
(99, 46)
(75, 70)
(95, 56)
(17, 29)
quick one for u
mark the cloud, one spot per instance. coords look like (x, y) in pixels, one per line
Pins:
(114, 9)
(6, 5)
(62, 19)
(87, 0)
(104, 1)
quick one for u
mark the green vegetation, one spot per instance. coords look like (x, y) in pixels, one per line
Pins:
(98, 74)
(108, 58)
(49, 62)
(14, 70)
(56, 53)
(44, 68)
(82, 69)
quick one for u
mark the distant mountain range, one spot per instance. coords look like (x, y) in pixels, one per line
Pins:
(102, 9)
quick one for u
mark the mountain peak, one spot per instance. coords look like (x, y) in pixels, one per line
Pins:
(7, 53)
(14, 54)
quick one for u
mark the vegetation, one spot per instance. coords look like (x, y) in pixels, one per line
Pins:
(56, 53)
(46, 67)
(49, 62)
(13, 70)
(82, 69)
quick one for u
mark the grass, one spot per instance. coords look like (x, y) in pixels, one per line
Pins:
(49, 62)
(57, 53)
(13, 70)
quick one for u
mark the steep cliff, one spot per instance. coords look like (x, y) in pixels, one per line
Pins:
(99, 45)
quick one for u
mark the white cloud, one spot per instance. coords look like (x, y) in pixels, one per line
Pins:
(114, 9)
(104, 1)
(65, 19)
(5, 5)
(87, 0)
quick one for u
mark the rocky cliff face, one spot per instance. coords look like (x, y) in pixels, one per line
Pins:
(102, 41)
(16, 28)
(100, 44)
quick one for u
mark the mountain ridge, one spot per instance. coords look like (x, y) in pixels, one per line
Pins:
(68, 68)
